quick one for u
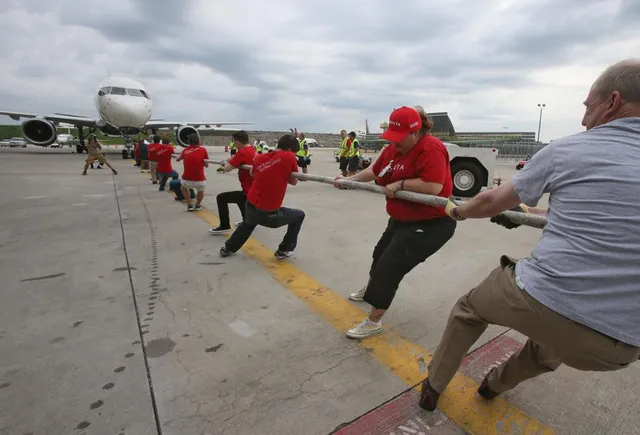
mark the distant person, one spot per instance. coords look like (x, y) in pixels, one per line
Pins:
(144, 155)
(417, 162)
(303, 154)
(136, 153)
(272, 172)
(232, 147)
(245, 156)
(343, 152)
(577, 297)
(195, 160)
(164, 151)
(153, 163)
(94, 150)
(354, 154)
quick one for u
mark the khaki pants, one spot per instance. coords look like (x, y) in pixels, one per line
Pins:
(553, 338)
(153, 166)
(93, 157)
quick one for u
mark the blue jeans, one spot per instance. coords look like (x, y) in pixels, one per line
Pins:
(176, 187)
(165, 176)
(291, 217)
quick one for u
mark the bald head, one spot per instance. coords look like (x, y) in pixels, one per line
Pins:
(614, 95)
(622, 77)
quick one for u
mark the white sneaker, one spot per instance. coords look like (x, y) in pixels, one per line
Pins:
(238, 223)
(359, 295)
(365, 329)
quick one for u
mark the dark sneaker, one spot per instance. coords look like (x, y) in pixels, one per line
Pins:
(428, 396)
(114, 172)
(218, 230)
(84, 173)
(224, 252)
(198, 207)
(190, 207)
(281, 255)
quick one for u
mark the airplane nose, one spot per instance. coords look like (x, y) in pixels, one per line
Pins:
(128, 113)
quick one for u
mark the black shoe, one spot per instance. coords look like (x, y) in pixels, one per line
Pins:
(198, 207)
(114, 172)
(190, 207)
(428, 397)
(484, 389)
(281, 255)
(219, 229)
(161, 189)
(224, 252)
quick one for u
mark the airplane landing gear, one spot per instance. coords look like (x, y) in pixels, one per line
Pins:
(125, 154)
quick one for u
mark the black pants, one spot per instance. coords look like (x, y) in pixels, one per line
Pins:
(291, 217)
(402, 247)
(344, 163)
(224, 199)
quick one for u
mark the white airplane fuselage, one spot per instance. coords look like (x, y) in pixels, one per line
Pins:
(123, 102)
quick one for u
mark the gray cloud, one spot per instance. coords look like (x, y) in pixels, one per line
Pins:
(321, 66)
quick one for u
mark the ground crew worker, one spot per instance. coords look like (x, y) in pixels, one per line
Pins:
(303, 154)
(245, 156)
(144, 155)
(232, 147)
(416, 161)
(272, 172)
(354, 154)
(343, 152)
(577, 297)
(259, 147)
(94, 151)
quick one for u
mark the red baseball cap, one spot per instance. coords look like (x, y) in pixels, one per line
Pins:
(402, 121)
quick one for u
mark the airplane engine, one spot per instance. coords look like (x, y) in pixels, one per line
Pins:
(182, 135)
(39, 132)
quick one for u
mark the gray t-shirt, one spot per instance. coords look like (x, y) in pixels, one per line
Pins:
(586, 265)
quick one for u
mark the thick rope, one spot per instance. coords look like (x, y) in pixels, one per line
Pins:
(527, 219)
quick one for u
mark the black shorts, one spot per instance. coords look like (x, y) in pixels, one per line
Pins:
(344, 163)
(354, 162)
(402, 247)
(302, 162)
(233, 151)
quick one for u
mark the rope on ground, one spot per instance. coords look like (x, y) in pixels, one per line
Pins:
(527, 219)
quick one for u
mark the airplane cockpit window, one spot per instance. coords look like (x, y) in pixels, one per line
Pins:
(134, 92)
(144, 94)
(118, 91)
(104, 91)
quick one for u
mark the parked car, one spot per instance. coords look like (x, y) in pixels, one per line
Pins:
(5, 143)
(17, 142)
(521, 163)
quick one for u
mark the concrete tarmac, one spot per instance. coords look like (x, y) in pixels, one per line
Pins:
(118, 316)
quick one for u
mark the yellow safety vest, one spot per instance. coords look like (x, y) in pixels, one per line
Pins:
(302, 152)
(355, 151)
(232, 145)
(343, 147)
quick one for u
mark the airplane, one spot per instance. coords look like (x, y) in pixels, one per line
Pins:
(124, 109)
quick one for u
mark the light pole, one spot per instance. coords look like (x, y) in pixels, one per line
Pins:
(541, 106)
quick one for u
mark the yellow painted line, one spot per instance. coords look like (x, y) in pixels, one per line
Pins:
(460, 402)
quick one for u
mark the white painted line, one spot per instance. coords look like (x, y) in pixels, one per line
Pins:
(94, 196)
(80, 204)
(35, 197)
(241, 328)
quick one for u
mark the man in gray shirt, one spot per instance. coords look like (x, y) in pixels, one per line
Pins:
(577, 298)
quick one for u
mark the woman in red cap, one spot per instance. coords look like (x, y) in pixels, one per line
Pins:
(414, 161)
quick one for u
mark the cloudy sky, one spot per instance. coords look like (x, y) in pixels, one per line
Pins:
(320, 65)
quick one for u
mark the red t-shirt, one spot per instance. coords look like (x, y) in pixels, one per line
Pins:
(193, 162)
(244, 156)
(163, 156)
(427, 160)
(152, 151)
(271, 174)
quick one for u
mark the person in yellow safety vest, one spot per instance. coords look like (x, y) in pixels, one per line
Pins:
(303, 154)
(354, 154)
(232, 147)
(259, 146)
(343, 152)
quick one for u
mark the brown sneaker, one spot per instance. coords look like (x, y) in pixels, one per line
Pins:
(428, 397)
(484, 389)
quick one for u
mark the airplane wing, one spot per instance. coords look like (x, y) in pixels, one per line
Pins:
(78, 121)
(161, 123)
